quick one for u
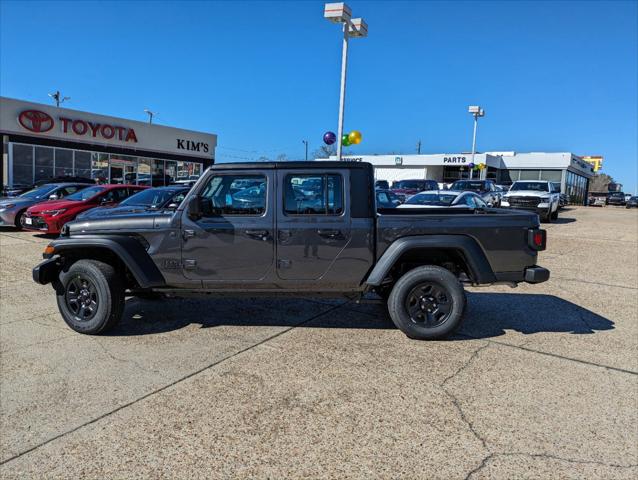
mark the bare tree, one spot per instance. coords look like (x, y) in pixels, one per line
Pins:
(600, 182)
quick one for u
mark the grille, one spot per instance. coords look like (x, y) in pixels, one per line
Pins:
(524, 201)
(39, 223)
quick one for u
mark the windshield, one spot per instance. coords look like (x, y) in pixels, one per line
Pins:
(38, 192)
(411, 184)
(154, 197)
(436, 199)
(85, 194)
(536, 186)
(617, 195)
(464, 185)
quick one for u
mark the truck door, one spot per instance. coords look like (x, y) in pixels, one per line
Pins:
(235, 241)
(313, 225)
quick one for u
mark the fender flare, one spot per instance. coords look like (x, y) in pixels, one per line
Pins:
(480, 269)
(129, 250)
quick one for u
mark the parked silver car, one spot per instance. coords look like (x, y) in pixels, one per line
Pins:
(12, 208)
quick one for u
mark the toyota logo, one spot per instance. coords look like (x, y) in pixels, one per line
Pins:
(36, 121)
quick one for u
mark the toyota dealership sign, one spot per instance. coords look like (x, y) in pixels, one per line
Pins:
(37, 120)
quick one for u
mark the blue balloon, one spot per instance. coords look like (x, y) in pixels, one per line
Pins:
(329, 138)
(471, 165)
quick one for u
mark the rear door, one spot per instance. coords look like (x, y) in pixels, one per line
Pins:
(235, 242)
(313, 225)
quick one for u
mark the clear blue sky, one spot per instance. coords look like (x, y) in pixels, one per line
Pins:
(552, 76)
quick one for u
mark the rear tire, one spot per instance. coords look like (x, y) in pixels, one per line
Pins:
(554, 215)
(90, 297)
(427, 303)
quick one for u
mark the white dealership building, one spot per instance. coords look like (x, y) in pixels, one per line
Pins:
(44, 141)
(565, 168)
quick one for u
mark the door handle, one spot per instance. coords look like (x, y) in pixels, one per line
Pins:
(261, 234)
(330, 233)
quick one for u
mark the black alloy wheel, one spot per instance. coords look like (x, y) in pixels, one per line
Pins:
(82, 298)
(428, 304)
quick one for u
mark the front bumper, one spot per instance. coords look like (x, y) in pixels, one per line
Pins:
(536, 274)
(42, 224)
(47, 271)
(7, 217)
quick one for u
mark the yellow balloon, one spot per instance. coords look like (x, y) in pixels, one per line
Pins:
(355, 137)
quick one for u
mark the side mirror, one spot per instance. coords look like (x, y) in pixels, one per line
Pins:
(172, 206)
(195, 207)
(53, 196)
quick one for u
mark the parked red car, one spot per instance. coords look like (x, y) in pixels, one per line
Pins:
(404, 189)
(50, 217)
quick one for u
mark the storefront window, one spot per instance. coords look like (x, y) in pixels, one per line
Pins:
(144, 171)
(63, 162)
(123, 169)
(83, 164)
(551, 175)
(157, 173)
(170, 171)
(100, 167)
(22, 164)
(530, 174)
(43, 163)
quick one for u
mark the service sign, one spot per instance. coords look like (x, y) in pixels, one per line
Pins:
(38, 120)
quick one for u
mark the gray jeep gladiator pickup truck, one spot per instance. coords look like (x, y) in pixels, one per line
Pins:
(295, 228)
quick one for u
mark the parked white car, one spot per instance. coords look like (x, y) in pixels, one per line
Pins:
(536, 195)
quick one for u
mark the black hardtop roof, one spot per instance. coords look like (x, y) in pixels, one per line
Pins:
(318, 165)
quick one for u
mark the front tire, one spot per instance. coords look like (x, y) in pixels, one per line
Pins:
(554, 215)
(19, 219)
(90, 297)
(427, 303)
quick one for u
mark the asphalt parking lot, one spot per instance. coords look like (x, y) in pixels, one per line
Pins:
(541, 382)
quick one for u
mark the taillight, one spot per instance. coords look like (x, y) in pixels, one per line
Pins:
(537, 239)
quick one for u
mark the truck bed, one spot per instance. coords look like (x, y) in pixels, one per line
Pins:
(498, 232)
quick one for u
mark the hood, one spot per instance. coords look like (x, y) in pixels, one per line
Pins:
(99, 212)
(126, 222)
(52, 205)
(17, 201)
(527, 193)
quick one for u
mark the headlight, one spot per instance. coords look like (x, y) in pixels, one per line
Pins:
(53, 213)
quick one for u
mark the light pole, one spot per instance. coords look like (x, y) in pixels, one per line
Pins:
(352, 27)
(305, 142)
(150, 115)
(477, 112)
(57, 96)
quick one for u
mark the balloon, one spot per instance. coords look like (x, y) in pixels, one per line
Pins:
(355, 137)
(481, 166)
(471, 165)
(329, 138)
(345, 141)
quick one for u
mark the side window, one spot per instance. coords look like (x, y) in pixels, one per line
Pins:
(177, 198)
(235, 194)
(63, 192)
(313, 194)
(469, 201)
(480, 203)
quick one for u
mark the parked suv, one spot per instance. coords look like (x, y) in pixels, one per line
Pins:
(536, 195)
(406, 188)
(486, 189)
(616, 198)
(312, 229)
(50, 217)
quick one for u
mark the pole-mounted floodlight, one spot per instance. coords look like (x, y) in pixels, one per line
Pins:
(476, 112)
(352, 27)
(58, 98)
(150, 115)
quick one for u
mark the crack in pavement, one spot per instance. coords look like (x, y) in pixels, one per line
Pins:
(602, 284)
(455, 400)
(167, 386)
(549, 354)
(118, 359)
(493, 455)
